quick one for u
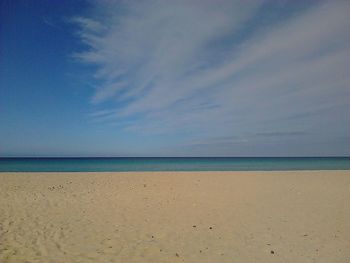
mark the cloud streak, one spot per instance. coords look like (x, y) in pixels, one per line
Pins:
(187, 68)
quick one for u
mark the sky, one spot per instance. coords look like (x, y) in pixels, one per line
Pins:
(174, 78)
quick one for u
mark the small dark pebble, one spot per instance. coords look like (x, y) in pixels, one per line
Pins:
(110, 247)
(272, 252)
(200, 251)
(305, 235)
(152, 236)
(160, 250)
(210, 228)
(176, 254)
(268, 244)
(194, 226)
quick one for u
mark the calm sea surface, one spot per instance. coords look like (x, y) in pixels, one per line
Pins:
(171, 164)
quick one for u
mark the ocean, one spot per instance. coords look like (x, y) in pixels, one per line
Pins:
(121, 164)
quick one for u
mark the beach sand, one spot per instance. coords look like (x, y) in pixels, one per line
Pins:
(175, 217)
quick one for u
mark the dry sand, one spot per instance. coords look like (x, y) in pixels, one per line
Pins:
(175, 217)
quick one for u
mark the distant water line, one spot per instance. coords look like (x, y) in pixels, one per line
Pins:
(122, 164)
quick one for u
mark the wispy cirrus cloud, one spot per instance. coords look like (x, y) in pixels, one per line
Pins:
(202, 70)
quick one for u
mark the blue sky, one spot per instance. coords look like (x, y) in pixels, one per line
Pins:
(174, 78)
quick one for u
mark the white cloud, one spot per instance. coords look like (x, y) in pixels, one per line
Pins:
(184, 67)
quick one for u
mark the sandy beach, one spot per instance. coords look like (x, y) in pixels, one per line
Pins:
(175, 217)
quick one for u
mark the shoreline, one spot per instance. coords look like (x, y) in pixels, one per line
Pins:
(176, 171)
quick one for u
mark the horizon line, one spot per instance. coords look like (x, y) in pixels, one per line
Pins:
(111, 157)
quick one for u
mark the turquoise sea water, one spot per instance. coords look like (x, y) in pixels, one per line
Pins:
(171, 164)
